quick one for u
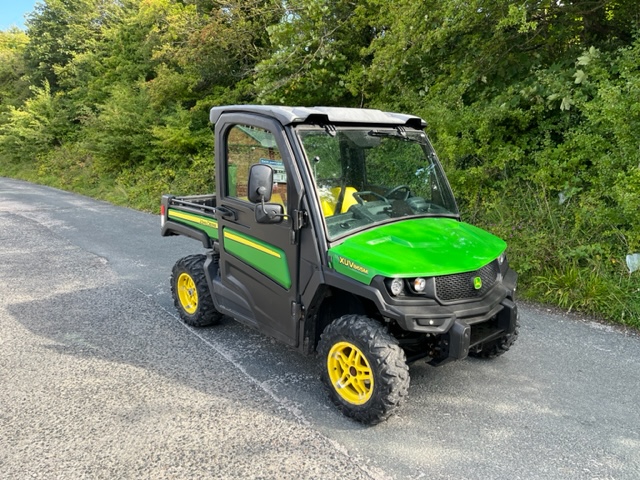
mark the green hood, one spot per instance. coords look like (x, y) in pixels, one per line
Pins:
(421, 247)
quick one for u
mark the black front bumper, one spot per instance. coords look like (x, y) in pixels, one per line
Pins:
(435, 317)
(462, 337)
(460, 325)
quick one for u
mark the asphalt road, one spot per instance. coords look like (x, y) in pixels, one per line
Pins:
(98, 378)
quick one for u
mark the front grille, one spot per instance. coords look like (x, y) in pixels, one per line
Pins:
(460, 286)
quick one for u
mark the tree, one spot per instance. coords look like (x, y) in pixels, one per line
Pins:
(319, 54)
(33, 129)
(62, 29)
(12, 68)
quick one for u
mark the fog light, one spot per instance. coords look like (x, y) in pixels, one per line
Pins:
(419, 284)
(396, 286)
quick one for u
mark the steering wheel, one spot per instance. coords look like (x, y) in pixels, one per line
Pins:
(360, 200)
(407, 191)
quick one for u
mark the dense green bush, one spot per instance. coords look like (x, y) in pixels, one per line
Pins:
(534, 108)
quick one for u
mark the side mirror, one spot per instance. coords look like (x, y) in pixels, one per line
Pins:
(260, 183)
(260, 190)
(269, 213)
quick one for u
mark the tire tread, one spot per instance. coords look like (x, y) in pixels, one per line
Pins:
(392, 383)
(206, 313)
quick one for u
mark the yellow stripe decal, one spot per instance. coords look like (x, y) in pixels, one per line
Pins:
(194, 218)
(251, 244)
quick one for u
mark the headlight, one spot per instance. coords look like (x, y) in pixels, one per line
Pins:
(419, 284)
(503, 265)
(418, 287)
(396, 286)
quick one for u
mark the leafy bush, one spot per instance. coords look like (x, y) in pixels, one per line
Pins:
(575, 288)
(532, 107)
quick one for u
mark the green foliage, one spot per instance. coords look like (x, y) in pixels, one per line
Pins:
(574, 288)
(33, 129)
(62, 29)
(532, 106)
(12, 68)
(70, 166)
(232, 40)
(317, 57)
(179, 140)
(120, 134)
(143, 187)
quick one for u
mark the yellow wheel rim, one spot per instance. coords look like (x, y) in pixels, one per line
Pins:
(350, 373)
(187, 293)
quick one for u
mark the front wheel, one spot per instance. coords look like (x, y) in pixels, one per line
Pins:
(363, 368)
(191, 294)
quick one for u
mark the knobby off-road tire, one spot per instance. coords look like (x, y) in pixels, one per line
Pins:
(496, 347)
(363, 368)
(191, 294)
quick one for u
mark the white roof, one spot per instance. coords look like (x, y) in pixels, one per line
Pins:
(289, 115)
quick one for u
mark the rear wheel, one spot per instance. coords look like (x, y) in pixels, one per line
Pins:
(363, 368)
(191, 294)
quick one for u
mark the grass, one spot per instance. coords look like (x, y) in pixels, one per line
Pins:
(588, 291)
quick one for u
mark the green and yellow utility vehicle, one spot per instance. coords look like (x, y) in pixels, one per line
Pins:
(335, 230)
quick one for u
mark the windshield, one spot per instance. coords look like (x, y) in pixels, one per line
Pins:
(368, 176)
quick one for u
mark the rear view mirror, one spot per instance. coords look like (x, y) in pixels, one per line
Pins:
(260, 183)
